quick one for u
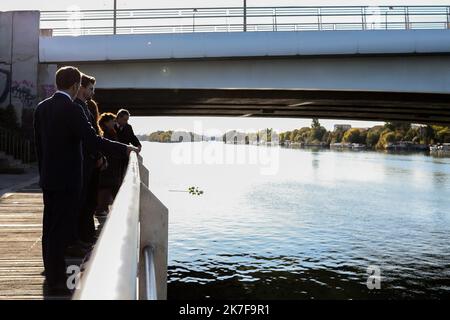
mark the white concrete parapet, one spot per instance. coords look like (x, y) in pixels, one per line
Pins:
(240, 44)
(138, 219)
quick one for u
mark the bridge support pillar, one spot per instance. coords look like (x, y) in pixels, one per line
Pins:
(19, 59)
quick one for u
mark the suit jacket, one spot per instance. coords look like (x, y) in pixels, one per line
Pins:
(111, 176)
(85, 108)
(90, 155)
(126, 135)
(60, 128)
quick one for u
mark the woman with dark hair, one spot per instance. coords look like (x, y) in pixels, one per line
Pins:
(93, 108)
(93, 186)
(109, 177)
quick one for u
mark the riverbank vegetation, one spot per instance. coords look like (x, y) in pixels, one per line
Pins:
(379, 137)
(171, 136)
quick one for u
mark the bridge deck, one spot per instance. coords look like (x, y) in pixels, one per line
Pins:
(20, 245)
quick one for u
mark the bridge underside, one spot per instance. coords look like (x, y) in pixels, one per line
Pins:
(280, 103)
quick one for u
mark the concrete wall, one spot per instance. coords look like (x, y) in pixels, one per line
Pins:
(19, 59)
(5, 57)
(46, 80)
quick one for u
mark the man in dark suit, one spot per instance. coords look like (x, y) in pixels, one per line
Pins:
(125, 135)
(60, 127)
(124, 130)
(92, 159)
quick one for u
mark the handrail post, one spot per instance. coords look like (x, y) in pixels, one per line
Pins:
(154, 233)
(14, 147)
(22, 151)
(151, 292)
(276, 22)
(363, 18)
(448, 17)
(406, 18)
(245, 15)
(193, 19)
(387, 11)
(319, 19)
(273, 20)
(115, 18)
(385, 20)
(8, 142)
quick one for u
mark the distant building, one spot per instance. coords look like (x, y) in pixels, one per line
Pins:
(343, 127)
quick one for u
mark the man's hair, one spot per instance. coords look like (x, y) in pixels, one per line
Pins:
(86, 80)
(122, 112)
(66, 77)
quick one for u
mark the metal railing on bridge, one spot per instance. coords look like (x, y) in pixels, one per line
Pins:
(14, 145)
(129, 261)
(238, 19)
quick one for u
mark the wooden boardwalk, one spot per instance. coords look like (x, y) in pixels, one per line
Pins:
(21, 263)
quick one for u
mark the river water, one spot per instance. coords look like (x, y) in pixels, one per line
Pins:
(276, 223)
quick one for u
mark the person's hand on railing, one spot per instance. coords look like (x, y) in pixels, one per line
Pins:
(99, 163)
(102, 163)
(131, 148)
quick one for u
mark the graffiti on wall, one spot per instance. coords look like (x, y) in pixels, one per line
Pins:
(5, 83)
(23, 90)
(47, 90)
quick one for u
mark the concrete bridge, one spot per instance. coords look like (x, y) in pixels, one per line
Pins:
(368, 75)
(387, 68)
